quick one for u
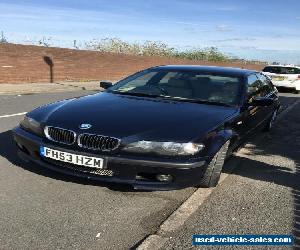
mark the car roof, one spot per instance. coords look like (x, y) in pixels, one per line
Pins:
(209, 69)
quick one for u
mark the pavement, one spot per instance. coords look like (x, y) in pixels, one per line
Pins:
(40, 209)
(31, 88)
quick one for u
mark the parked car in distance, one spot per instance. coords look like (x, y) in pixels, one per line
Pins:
(284, 76)
(166, 127)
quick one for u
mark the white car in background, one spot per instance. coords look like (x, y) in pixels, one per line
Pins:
(284, 76)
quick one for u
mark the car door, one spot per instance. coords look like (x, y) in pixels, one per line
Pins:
(253, 116)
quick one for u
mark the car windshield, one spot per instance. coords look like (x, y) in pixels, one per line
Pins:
(282, 70)
(191, 86)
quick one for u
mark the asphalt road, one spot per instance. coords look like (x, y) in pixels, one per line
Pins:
(40, 209)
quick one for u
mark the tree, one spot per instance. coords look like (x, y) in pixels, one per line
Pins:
(3, 39)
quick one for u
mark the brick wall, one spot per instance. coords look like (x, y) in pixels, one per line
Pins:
(24, 63)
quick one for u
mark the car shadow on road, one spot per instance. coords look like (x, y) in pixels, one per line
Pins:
(8, 150)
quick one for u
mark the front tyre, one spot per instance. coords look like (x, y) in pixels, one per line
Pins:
(213, 172)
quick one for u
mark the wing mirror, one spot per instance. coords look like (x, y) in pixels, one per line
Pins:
(261, 101)
(105, 85)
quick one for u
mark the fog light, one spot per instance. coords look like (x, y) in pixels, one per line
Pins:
(164, 177)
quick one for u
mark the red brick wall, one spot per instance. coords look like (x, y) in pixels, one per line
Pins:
(23, 63)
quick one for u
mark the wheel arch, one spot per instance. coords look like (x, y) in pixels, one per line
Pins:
(220, 138)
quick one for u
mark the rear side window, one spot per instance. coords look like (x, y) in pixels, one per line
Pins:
(275, 70)
(282, 70)
(290, 70)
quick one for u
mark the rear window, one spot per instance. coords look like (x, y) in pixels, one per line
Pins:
(282, 70)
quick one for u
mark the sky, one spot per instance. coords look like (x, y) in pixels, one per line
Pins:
(267, 30)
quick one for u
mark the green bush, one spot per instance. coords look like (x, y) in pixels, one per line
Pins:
(154, 48)
(208, 54)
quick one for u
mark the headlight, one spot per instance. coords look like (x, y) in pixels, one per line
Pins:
(32, 125)
(164, 148)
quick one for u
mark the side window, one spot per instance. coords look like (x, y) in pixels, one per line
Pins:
(275, 70)
(290, 70)
(254, 86)
(267, 86)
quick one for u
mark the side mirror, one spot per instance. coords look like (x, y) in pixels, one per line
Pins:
(105, 85)
(261, 101)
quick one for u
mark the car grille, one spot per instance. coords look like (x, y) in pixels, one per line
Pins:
(60, 135)
(98, 142)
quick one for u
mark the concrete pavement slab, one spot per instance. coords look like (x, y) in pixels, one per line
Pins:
(30, 88)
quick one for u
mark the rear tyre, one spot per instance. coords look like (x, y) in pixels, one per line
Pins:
(271, 121)
(213, 172)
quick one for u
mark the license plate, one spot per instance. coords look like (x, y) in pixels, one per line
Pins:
(80, 160)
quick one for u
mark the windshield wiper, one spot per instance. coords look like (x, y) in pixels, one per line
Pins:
(201, 101)
(135, 94)
(175, 98)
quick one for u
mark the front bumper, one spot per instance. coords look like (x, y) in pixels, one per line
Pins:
(141, 174)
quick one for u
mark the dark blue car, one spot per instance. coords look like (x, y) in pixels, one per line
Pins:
(166, 127)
